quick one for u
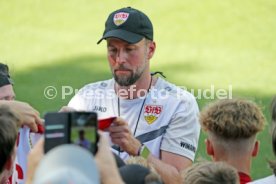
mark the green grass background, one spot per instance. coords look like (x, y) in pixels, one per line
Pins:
(199, 43)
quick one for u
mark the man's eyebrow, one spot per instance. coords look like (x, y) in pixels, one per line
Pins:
(125, 44)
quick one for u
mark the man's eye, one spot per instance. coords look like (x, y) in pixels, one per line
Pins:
(112, 50)
(129, 49)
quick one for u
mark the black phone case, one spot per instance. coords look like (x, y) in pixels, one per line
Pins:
(57, 130)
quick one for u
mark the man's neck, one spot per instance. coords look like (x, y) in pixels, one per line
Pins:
(138, 89)
(241, 163)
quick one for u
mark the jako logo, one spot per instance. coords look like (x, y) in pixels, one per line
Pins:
(99, 108)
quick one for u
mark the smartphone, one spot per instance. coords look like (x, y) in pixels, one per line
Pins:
(78, 128)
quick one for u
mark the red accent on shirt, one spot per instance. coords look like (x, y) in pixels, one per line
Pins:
(19, 171)
(10, 180)
(244, 178)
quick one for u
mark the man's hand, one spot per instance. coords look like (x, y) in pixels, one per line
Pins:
(67, 109)
(27, 115)
(121, 135)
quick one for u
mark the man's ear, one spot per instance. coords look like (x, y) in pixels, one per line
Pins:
(209, 147)
(256, 149)
(151, 49)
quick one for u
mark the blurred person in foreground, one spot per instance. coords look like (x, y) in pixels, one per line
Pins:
(8, 135)
(210, 173)
(232, 126)
(70, 163)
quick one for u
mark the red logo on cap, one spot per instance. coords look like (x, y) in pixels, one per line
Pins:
(120, 18)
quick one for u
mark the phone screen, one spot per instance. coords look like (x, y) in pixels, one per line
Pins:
(84, 130)
(78, 128)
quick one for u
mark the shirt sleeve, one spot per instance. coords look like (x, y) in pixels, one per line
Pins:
(79, 101)
(183, 132)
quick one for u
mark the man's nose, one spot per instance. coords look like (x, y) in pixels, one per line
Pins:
(120, 57)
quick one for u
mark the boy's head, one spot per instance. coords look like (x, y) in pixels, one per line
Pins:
(6, 88)
(232, 126)
(8, 136)
(210, 173)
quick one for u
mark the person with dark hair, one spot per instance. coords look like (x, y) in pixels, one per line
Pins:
(30, 124)
(8, 135)
(6, 88)
(271, 179)
(82, 141)
(156, 119)
(232, 126)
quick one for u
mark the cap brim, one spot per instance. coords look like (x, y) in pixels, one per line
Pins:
(123, 35)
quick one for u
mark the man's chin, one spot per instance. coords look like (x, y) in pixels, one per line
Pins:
(123, 81)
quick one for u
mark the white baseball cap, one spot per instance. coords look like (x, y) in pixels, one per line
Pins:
(67, 164)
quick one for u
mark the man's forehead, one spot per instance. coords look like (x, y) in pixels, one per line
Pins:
(6, 91)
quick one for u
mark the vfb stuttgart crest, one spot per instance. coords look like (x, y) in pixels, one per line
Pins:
(152, 112)
(120, 18)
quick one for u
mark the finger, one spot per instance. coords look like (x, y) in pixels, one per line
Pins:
(103, 145)
(38, 120)
(42, 121)
(118, 129)
(122, 142)
(119, 135)
(34, 111)
(117, 141)
(119, 121)
(33, 126)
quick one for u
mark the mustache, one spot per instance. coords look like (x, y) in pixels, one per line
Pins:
(121, 67)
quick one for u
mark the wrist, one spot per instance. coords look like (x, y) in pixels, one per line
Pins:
(136, 150)
(144, 151)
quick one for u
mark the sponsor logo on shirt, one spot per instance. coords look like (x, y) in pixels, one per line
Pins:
(152, 112)
(187, 146)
